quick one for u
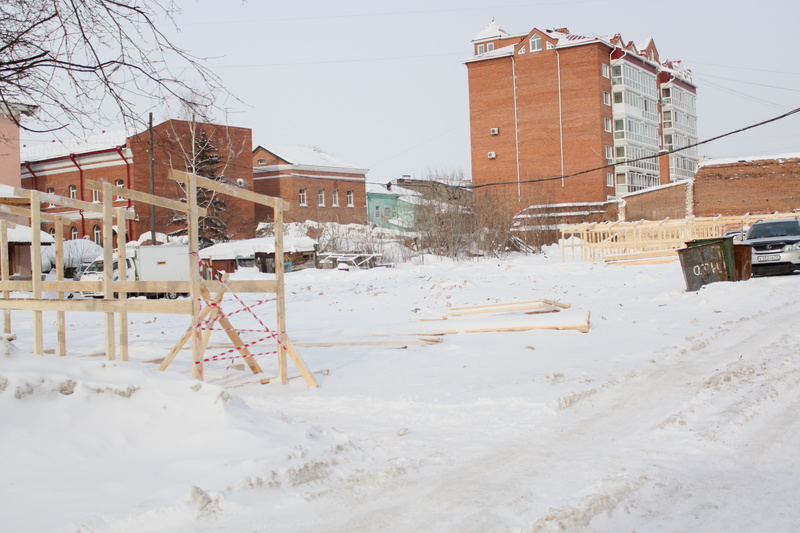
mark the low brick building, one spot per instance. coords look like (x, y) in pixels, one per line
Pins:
(317, 186)
(122, 160)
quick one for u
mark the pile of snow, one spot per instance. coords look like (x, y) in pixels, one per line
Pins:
(677, 411)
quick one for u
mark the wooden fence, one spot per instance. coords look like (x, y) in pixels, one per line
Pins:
(201, 306)
(645, 240)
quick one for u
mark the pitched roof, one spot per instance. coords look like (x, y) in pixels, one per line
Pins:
(308, 157)
(491, 31)
(92, 143)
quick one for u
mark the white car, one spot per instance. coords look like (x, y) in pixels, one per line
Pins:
(776, 246)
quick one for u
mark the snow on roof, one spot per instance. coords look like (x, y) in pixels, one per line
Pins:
(728, 161)
(307, 156)
(22, 234)
(247, 248)
(491, 31)
(93, 143)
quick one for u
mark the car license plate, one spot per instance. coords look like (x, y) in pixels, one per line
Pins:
(765, 258)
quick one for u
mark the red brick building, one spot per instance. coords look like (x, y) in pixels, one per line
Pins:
(318, 186)
(558, 117)
(64, 168)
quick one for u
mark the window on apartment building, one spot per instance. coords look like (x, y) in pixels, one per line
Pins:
(481, 49)
(321, 197)
(522, 49)
(96, 196)
(606, 98)
(536, 43)
(619, 129)
(73, 233)
(120, 183)
(98, 235)
(609, 153)
(616, 75)
(606, 71)
(668, 142)
(303, 197)
(489, 47)
(73, 192)
(667, 119)
(335, 198)
(609, 179)
(350, 199)
(607, 124)
(51, 191)
(550, 46)
(620, 153)
(618, 99)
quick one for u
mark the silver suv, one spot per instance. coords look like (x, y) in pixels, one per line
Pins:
(776, 246)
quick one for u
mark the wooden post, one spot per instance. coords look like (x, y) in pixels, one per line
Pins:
(122, 241)
(194, 274)
(280, 303)
(61, 320)
(36, 271)
(108, 274)
(5, 274)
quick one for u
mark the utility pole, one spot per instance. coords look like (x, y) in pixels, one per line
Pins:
(152, 187)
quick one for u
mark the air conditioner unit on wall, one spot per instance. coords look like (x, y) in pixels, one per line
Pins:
(495, 131)
(492, 155)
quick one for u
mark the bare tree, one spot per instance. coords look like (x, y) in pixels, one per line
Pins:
(75, 59)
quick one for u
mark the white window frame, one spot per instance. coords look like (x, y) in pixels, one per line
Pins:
(535, 43)
(320, 197)
(489, 47)
(97, 233)
(607, 98)
(350, 202)
(120, 183)
(607, 124)
(481, 49)
(95, 196)
(73, 233)
(51, 190)
(609, 153)
(335, 198)
(73, 192)
(303, 197)
(606, 69)
(609, 179)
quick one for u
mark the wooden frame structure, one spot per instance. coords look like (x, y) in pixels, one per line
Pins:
(647, 240)
(200, 304)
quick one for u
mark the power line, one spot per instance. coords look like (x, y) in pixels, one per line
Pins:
(628, 161)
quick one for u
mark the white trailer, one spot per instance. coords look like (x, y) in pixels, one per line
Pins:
(167, 262)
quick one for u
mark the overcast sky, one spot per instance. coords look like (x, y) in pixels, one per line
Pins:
(381, 84)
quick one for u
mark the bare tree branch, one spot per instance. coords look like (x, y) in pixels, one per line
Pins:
(87, 61)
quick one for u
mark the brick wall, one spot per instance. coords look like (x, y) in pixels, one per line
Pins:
(172, 150)
(288, 188)
(659, 203)
(736, 188)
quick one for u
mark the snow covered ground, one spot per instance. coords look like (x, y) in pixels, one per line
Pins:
(676, 412)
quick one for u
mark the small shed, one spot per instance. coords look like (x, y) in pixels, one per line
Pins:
(19, 250)
(298, 253)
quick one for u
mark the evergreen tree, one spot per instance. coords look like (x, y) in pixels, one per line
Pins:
(206, 161)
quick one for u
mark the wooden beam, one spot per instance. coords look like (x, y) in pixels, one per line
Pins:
(230, 190)
(145, 197)
(181, 307)
(4, 273)
(68, 202)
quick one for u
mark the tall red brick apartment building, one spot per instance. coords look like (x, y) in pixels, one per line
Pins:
(563, 118)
